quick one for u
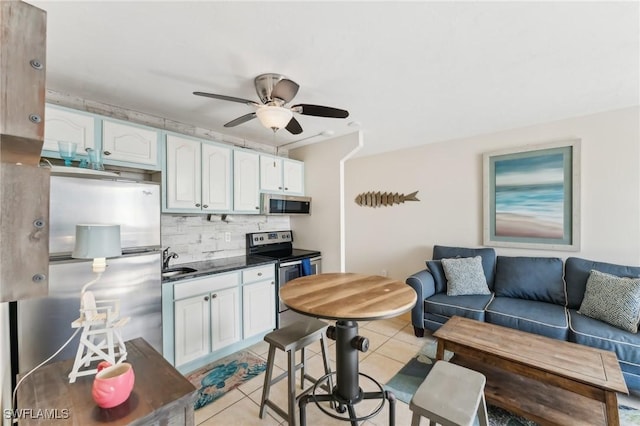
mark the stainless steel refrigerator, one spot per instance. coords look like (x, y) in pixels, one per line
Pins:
(44, 324)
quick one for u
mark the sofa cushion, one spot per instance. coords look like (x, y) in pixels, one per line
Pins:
(488, 256)
(612, 299)
(465, 306)
(595, 333)
(435, 267)
(465, 276)
(576, 273)
(530, 278)
(546, 319)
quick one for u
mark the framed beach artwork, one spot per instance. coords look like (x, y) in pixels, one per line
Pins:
(532, 197)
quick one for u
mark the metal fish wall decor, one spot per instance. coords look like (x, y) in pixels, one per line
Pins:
(377, 199)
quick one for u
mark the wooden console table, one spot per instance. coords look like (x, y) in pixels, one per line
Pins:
(161, 395)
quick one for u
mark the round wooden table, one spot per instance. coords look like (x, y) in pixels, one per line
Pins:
(348, 298)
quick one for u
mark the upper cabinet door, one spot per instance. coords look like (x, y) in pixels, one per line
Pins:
(65, 125)
(183, 177)
(293, 176)
(270, 173)
(246, 182)
(129, 143)
(216, 178)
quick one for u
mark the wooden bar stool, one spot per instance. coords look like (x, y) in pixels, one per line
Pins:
(290, 339)
(451, 396)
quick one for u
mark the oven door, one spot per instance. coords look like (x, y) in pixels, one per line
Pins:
(288, 271)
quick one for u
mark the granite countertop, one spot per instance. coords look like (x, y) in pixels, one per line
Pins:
(216, 266)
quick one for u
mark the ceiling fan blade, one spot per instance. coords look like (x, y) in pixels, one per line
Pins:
(285, 89)
(241, 120)
(320, 111)
(226, 98)
(294, 127)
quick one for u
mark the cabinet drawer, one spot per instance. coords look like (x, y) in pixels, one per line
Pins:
(204, 285)
(258, 274)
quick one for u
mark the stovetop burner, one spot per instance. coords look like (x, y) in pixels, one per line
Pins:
(276, 245)
(291, 255)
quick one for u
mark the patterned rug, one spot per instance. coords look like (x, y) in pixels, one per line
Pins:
(408, 379)
(216, 379)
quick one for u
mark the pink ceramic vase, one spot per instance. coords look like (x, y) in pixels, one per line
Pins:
(113, 384)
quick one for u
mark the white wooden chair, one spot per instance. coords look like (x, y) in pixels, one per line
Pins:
(100, 338)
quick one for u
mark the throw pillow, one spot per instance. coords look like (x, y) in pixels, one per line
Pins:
(440, 281)
(465, 276)
(612, 299)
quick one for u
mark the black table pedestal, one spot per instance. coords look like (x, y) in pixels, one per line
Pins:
(347, 392)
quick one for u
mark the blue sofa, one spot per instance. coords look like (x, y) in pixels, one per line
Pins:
(539, 295)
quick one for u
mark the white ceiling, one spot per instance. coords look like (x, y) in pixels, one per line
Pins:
(410, 73)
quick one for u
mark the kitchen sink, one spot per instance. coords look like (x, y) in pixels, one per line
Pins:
(179, 270)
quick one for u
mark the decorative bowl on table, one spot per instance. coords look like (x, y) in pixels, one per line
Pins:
(113, 384)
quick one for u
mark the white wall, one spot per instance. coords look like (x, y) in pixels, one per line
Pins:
(321, 230)
(448, 177)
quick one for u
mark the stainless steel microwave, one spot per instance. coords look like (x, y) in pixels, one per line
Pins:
(273, 204)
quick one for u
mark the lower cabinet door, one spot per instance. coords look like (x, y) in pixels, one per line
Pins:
(225, 318)
(258, 308)
(192, 329)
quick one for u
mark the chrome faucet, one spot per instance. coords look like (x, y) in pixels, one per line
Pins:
(166, 258)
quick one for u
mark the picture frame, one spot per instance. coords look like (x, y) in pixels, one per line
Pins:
(531, 196)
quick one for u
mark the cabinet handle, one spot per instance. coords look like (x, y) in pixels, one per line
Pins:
(259, 274)
(257, 208)
(273, 282)
(198, 205)
(206, 298)
(286, 189)
(107, 153)
(213, 296)
(205, 206)
(279, 187)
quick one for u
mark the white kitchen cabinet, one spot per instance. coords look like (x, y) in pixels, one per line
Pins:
(198, 176)
(192, 328)
(121, 143)
(258, 307)
(216, 177)
(293, 176)
(281, 175)
(225, 318)
(270, 173)
(246, 181)
(183, 178)
(62, 124)
(129, 143)
(211, 316)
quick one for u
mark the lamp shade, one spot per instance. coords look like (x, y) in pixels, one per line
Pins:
(274, 117)
(97, 241)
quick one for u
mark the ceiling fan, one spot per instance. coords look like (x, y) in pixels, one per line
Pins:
(275, 91)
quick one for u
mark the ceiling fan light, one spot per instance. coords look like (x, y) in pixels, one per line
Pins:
(274, 117)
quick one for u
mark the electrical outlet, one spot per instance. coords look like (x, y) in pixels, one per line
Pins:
(227, 237)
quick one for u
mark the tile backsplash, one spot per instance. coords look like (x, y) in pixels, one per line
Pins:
(196, 238)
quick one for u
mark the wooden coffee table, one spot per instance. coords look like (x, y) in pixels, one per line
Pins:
(549, 381)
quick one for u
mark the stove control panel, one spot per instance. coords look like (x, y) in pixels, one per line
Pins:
(265, 238)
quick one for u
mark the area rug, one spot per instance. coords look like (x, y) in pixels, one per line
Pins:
(408, 379)
(216, 379)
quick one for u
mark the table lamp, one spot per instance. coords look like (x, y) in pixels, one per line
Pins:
(97, 242)
(97, 317)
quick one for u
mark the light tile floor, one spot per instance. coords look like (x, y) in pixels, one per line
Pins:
(391, 345)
